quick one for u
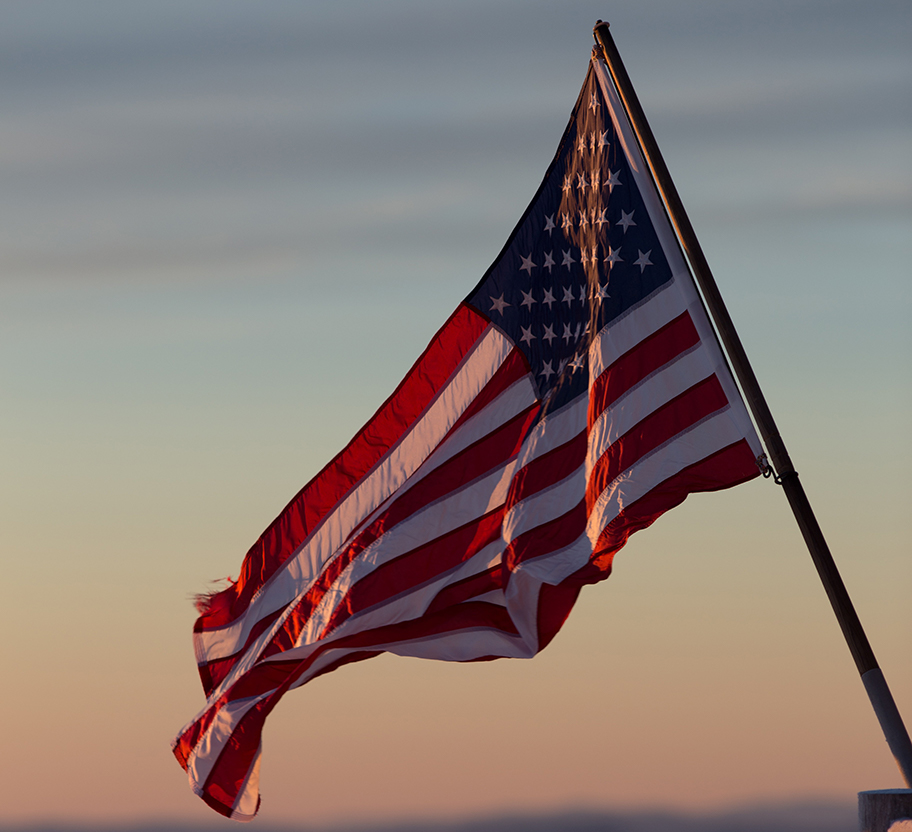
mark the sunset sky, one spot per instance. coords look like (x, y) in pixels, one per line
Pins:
(229, 228)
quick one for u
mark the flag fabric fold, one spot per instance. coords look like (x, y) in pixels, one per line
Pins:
(575, 395)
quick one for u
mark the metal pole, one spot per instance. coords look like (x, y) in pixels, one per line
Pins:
(875, 685)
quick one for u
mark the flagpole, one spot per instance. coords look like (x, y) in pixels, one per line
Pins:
(876, 686)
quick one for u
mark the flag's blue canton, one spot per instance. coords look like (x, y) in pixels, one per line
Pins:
(584, 253)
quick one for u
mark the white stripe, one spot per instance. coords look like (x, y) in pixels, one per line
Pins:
(553, 567)
(626, 332)
(687, 448)
(545, 505)
(495, 596)
(203, 757)
(481, 561)
(554, 430)
(518, 397)
(465, 645)
(458, 646)
(245, 804)
(397, 465)
(638, 402)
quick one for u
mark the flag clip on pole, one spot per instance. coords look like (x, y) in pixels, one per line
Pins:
(881, 699)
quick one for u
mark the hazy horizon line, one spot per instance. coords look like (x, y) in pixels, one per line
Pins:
(801, 815)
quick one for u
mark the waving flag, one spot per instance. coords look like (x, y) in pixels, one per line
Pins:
(576, 394)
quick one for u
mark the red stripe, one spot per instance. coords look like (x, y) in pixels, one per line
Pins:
(549, 537)
(230, 770)
(188, 740)
(658, 427)
(214, 672)
(636, 364)
(512, 370)
(471, 587)
(548, 469)
(725, 468)
(285, 534)
(222, 804)
(554, 605)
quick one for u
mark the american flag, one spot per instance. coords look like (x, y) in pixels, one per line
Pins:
(574, 396)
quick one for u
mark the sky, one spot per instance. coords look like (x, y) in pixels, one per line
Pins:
(229, 228)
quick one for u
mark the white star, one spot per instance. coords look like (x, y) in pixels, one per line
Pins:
(561, 365)
(626, 220)
(594, 179)
(568, 260)
(547, 371)
(581, 180)
(614, 255)
(592, 141)
(568, 183)
(549, 298)
(603, 139)
(549, 335)
(568, 295)
(549, 224)
(579, 327)
(578, 362)
(581, 144)
(568, 333)
(498, 304)
(549, 261)
(527, 300)
(593, 102)
(601, 219)
(527, 336)
(566, 222)
(527, 264)
(612, 180)
(602, 293)
(584, 220)
(643, 260)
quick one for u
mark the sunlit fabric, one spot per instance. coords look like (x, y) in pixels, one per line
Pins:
(574, 396)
